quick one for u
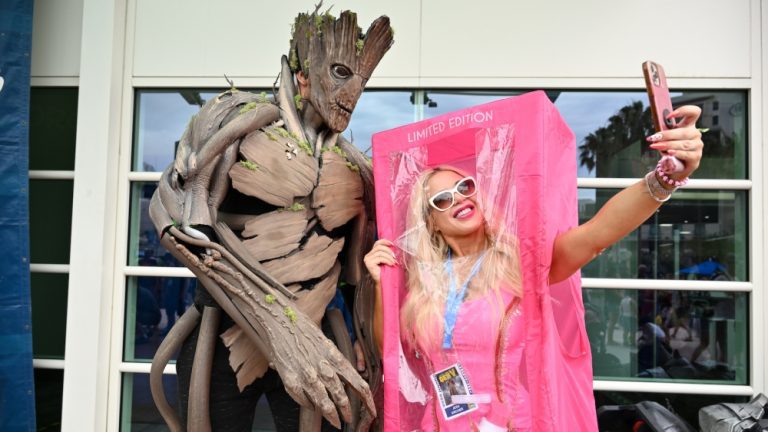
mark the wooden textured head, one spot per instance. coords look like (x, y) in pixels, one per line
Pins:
(338, 58)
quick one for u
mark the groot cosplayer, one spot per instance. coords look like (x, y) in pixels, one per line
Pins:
(271, 209)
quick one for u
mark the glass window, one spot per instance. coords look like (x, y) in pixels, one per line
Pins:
(161, 117)
(610, 128)
(139, 412)
(49, 388)
(49, 314)
(144, 247)
(378, 110)
(689, 336)
(50, 220)
(439, 102)
(52, 128)
(152, 306)
(697, 235)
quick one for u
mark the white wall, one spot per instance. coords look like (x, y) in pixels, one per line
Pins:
(459, 39)
(56, 29)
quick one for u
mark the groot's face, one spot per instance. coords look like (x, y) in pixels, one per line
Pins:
(338, 59)
(336, 86)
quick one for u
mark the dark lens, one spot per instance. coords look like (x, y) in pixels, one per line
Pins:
(466, 187)
(443, 200)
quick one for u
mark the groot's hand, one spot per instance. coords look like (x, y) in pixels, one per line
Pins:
(310, 365)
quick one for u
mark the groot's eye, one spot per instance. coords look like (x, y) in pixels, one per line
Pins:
(340, 71)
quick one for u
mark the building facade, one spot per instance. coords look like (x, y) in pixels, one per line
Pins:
(674, 311)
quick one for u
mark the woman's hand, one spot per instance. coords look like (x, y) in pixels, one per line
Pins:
(381, 254)
(683, 142)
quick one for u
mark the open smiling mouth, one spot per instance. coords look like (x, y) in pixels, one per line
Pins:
(463, 211)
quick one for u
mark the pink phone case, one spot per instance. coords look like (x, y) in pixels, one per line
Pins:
(658, 95)
(661, 106)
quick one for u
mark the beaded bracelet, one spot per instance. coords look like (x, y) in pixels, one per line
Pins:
(656, 190)
(668, 180)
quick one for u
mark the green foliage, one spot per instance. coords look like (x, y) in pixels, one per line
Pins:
(298, 101)
(263, 97)
(295, 207)
(282, 132)
(290, 313)
(359, 45)
(306, 66)
(353, 167)
(270, 135)
(336, 149)
(293, 60)
(304, 146)
(249, 165)
(247, 107)
(269, 298)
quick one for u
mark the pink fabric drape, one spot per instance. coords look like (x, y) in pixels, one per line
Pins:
(542, 183)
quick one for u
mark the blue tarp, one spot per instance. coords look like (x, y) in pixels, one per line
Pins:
(17, 391)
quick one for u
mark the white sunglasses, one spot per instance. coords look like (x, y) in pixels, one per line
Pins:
(444, 200)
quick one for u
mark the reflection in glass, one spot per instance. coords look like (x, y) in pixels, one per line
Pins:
(439, 102)
(50, 220)
(139, 414)
(152, 306)
(49, 314)
(377, 111)
(686, 406)
(161, 116)
(690, 336)
(697, 235)
(144, 247)
(49, 389)
(611, 126)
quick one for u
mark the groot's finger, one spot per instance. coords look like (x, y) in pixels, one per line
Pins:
(294, 389)
(360, 387)
(335, 388)
(317, 394)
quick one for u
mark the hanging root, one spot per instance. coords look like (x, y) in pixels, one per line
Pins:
(198, 414)
(344, 342)
(171, 344)
(310, 420)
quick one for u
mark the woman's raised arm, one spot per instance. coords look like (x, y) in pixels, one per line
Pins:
(628, 209)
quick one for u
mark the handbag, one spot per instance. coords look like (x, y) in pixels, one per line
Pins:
(730, 417)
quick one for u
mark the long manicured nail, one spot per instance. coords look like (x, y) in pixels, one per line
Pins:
(659, 146)
(655, 137)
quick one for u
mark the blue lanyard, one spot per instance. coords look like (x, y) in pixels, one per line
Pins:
(455, 298)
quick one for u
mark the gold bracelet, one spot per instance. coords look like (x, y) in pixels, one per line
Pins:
(656, 190)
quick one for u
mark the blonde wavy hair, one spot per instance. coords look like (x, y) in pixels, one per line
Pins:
(422, 316)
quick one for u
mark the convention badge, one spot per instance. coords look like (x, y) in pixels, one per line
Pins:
(454, 392)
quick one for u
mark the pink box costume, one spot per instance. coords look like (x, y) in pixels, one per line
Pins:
(523, 364)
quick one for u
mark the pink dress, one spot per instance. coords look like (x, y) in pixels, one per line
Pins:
(475, 348)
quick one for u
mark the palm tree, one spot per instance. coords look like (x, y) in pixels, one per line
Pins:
(628, 126)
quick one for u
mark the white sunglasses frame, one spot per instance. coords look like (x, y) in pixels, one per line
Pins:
(452, 191)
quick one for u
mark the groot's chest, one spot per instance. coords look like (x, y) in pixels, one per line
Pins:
(299, 240)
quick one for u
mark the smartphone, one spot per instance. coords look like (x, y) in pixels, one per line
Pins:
(661, 106)
(658, 96)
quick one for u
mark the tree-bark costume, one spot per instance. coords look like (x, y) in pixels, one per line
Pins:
(270, 208)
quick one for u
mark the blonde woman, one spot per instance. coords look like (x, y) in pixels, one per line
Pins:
(463, 280)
